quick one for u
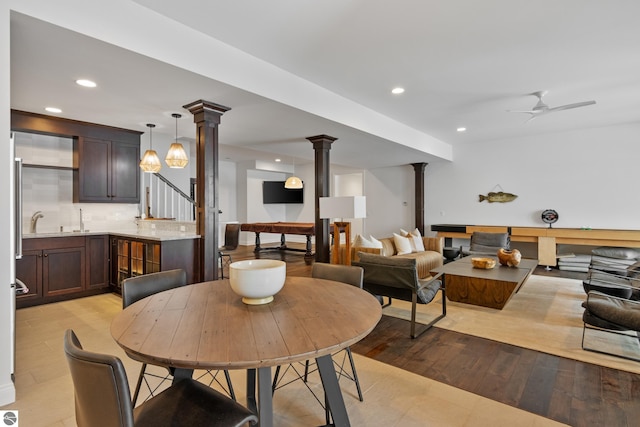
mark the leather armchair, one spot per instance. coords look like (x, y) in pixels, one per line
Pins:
(486, 243)
(612, 314)
(397, 277)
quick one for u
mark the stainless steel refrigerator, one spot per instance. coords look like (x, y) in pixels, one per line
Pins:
(17, 287)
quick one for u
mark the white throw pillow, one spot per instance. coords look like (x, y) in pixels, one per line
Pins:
(416, 240)
(376, 243)
(361, 242)
(403, 244)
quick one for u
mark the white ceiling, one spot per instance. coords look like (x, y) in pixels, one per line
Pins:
(462, 63)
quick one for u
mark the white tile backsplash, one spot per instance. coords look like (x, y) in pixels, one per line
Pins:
(51, 192)
(188, 227)
(48, 150)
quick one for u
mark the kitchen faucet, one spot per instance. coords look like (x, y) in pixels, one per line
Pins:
(81, 222)
(34, 220)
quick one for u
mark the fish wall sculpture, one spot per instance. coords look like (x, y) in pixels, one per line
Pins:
(500, 197)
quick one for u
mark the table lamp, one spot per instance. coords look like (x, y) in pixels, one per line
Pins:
(342, 207)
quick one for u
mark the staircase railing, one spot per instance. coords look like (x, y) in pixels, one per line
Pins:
(164, 200)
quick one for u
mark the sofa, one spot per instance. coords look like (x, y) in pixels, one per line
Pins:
(426, 260)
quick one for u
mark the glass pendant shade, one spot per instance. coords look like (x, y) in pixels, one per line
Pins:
(176, 157)
(293, 182)
(150, 162)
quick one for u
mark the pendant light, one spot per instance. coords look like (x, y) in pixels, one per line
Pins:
(293, 182)
(150, 161)
(176, 157)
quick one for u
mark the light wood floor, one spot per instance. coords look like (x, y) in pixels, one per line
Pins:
(393, 396)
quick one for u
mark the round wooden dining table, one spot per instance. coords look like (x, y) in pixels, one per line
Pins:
(207, 326)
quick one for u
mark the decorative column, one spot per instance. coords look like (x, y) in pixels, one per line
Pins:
(206, 116)
(321, 146)
(419, 196)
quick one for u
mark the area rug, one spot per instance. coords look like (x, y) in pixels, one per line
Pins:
(545, 315)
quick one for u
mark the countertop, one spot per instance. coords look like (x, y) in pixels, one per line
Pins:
(146, 234)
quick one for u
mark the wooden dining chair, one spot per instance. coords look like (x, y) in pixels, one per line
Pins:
(139, 287)
(102, 397)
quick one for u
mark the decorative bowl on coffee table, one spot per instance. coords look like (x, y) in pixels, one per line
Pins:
(257, 280)
(486, 263)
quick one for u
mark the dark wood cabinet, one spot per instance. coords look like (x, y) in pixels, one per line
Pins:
(63, 271)
(106, 171)
(97, 261)
(105, 158)
(29, 271)
(134, 257)
(59, 268)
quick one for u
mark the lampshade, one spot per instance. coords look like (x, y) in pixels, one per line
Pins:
(150, 162)
(176, 157)
(343, 207)
(293, 182)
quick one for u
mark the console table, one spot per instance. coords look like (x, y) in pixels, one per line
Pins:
(546, 238)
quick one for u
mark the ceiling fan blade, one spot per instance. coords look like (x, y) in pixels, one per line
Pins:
(523, 111)
(570, 106)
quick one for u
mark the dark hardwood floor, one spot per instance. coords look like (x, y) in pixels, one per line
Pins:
(565, 390)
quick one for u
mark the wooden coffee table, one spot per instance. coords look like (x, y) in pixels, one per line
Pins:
(491, 288)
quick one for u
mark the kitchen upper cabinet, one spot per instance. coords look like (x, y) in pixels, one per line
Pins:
(105, 158)
(107, 171)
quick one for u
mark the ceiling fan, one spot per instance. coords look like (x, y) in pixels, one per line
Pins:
(541, 108)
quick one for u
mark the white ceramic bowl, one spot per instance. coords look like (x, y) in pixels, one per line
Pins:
(257, 280)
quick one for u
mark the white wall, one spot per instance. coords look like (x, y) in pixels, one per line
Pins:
(256, 211)
(227, 194)
(588, 176)
(390, 200)
(349, 184)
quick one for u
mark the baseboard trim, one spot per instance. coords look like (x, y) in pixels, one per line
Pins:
(7, 393)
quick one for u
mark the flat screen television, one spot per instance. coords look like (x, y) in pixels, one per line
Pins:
(274, 192)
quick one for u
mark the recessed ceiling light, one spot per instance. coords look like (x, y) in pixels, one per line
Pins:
(53, 110)
(86, 83)
(397, 90)
(461, 129)
(278, 160)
